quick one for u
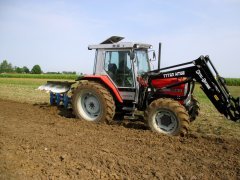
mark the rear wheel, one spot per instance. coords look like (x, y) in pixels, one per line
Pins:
(91, 101)
(168, 117)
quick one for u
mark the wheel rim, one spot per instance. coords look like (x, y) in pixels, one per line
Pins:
(89, 106)
(165, 121)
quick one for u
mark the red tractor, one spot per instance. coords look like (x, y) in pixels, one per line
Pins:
(123, 83)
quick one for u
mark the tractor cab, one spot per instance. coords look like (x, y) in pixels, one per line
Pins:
(123, 63)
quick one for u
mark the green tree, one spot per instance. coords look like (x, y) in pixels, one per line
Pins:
(36, 70)
(6, 67)
(26, 70)
(19, 70)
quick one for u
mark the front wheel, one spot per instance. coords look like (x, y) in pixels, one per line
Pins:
(167, 116)
(91, 101)
(195, 108)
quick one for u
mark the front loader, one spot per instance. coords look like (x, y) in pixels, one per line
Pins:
(123, 83)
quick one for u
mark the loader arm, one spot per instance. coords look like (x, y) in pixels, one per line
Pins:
(202, 71)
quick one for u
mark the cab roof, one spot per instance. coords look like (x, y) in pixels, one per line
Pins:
(114, 43)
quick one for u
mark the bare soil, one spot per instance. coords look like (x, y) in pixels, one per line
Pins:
(42, 142)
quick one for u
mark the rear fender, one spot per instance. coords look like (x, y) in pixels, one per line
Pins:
(107, 82)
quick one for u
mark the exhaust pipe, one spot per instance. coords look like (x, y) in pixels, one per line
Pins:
(159, 55)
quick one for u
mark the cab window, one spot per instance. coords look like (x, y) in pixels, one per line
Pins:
(119, 67)
(142, 61)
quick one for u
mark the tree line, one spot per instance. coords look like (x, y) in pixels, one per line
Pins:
(6, 67)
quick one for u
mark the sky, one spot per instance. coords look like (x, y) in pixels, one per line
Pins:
(56, 33)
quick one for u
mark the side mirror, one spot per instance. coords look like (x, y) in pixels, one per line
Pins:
(153, 58)
(154, 55)
(132, 55)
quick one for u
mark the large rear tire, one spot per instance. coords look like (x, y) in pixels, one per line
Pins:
(167, 116)
(91, 101)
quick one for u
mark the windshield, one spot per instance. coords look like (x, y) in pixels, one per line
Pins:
(142, 61)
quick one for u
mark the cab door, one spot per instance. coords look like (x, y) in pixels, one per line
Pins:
(119, 68)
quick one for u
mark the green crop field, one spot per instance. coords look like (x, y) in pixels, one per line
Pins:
(233, 81)
(40, 76)
(209, 121)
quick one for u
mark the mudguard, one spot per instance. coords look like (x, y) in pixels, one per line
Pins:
(107, 82)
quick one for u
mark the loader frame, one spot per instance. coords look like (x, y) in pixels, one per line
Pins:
(202, 71)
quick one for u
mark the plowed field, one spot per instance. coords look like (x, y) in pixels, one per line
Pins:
(42, 142)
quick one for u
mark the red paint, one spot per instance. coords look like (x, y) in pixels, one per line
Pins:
(142, 81)
(105, 79)
(174, 91)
